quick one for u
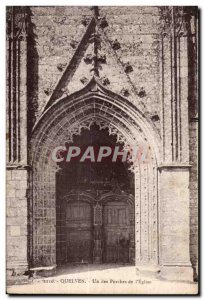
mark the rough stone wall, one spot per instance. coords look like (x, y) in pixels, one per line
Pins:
(193, 96)
(54, 29)
(136, 30)
(16, 222)
(194, 192)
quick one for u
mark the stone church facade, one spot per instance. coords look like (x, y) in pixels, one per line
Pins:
(124, 75)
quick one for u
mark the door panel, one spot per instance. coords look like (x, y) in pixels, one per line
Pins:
(116, 232)
(79, 234)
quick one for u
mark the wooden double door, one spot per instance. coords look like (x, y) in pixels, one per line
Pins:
(113, 232)
(79, 232)
(116, 232)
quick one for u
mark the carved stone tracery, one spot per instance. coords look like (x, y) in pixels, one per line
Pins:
(16, 23)
(175, 33)
(16, 42)
(174, 20)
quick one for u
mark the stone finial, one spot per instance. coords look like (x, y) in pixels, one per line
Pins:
(95, 10)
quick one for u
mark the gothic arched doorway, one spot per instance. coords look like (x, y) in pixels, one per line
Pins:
(59, 124)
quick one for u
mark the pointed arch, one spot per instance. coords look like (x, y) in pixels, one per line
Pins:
(57, 125)
(94, 103)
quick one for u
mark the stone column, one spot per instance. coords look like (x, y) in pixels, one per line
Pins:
(174, 198)
(17, 168)
(174, 226)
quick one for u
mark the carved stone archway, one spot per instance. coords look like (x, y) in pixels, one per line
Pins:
(65, 118)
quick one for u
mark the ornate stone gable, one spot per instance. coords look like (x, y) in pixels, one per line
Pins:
(96, 55)
(117, 69)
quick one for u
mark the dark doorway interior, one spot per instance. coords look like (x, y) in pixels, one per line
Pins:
(79, 189)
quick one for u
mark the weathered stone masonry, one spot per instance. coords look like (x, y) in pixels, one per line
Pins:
(132, 70)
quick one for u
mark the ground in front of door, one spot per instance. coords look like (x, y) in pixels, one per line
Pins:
(103, 279)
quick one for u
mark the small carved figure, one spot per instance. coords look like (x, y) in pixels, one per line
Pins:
(84, 80)
(103, 22)
(61, 67)
(125, 92)
(142, 93)
(105, 80)
(128, 68)
(116, 45)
